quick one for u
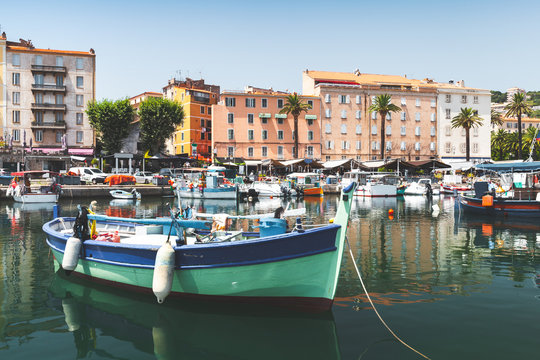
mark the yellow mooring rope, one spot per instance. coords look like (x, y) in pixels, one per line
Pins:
(373, 306)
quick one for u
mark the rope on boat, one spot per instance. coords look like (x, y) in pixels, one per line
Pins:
(373, 305)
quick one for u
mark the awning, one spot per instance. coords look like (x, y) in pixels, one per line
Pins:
(510, 167)
(265, 115)
(346, 164)
(253, 162)
(81, 151)
(311, 117)
(280, 116)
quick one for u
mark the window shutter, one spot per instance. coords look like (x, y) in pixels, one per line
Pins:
(348, 99)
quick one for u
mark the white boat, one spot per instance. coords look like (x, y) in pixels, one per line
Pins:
(34, 187)
(421, 187)
(372, 184)
(270, 189)
(204, 184)
(126, 195)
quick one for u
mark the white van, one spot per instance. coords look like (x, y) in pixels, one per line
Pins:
(89, 174)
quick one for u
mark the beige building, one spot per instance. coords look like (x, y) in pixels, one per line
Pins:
(45, 93)
(350, 130)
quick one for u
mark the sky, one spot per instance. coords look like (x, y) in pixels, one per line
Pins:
(141, 44)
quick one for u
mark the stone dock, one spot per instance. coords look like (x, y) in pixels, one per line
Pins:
(96, 191)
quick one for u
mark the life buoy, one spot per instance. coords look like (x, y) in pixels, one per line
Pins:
(535, 179)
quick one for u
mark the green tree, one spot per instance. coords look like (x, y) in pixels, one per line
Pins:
(383, 105)
(467, 119)
(516, 108)
(498, 97)
(496, 118)
(158, 120)
(111, 121)
(295, 106)
(498, 144)
(529, 140)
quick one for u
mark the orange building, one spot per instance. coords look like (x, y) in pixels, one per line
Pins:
(248, 125)
(194, 136)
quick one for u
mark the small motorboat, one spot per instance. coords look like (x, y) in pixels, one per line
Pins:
(126, 195)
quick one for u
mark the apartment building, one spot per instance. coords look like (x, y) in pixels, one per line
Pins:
(44, 98)
(452, 97)
(350, 130)
(511, 124)
(194, 136)
(247, 124)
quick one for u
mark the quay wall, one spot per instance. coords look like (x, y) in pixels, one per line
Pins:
(96, 191)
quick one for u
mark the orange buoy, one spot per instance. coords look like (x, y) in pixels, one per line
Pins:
(391, 212)
(390, 217)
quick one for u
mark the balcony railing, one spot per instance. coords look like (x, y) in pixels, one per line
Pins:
(47, 106)
(49, 87)
(48, 125)
(48, 68)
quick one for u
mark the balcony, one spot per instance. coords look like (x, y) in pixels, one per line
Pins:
(47, 106)
(49, 87)
(53, 125)
(49, 69)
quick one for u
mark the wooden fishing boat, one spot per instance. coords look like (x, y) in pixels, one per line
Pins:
(309, 184)
(34, 187)
(500, 206)
(298, 268)
(126, 195)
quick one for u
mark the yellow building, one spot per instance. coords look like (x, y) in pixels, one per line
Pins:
(194, 136)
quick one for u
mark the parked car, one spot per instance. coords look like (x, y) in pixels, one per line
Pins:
(143, 177)
(89, 174)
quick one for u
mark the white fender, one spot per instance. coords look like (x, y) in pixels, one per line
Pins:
(163, 272)
(71, 254)
(9, 191)
(71, 314)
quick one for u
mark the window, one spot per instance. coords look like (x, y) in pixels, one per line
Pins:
(59, 61)
(264, 120)
(475, 131)
(417, 146)
(202, 108)
(327, 157)
(59, 117)
(280, 152)
(16, 135)
(358, 129)
(17, 116)
(310, 151)
(358, 99)
(209, 123)
(264, 151)
(417, 116)
(310, 103)
(328, 128)
(447, 147)
(79, 136)
(448, 114)
(403, 130)
(475, 147)
(250, 152)
(463, 99)
(373, 98)
(462, 147)
(16, 78)
(264, 103)
(403, 116)
(80, 82)
(358, 145)
(209, 112)
(374, 115)
(358, 114)
(374, 130)
(433, 103)
(16, 60)
(343, 114)
(230, 101)
(38, 79)
(230, 134)
(327, 98)
(345, 145)
(509, 125)
(388, 130)
(329, 144)
(280, 103)
(388, 145)
(230, 118)
(16, 98)
(250, 102)
(448, 98)
(39, 98)
(293, 137)
(432, 146)
(475, 99)
(447, 131)
(344, 99)
(309, 122)
(280, 121)
(79, 100)
(79, 63)
(403, 146)
(388, 116)
(60, 99)
(328, 113)
(264, 134)
(202, 123)
(417, 102)
(403, 101)
(39, 135)
(251, 135)
(417, 131)
(58, 136)
(374, 145)
(79, 117)
(433, 117)
(343, 128)
(280, 134)
(230, 151)
(250, 118)
(433, 131)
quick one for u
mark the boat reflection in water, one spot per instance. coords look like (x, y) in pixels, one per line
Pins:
(187, 329)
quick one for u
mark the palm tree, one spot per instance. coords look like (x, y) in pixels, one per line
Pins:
(295, 106)
(467, 119)
(496, 118)
(516, 108)
(511, 144)
(383, 105)
(529, 139)
(498, 144)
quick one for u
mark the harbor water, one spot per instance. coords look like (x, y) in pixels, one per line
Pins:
(450, 285)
